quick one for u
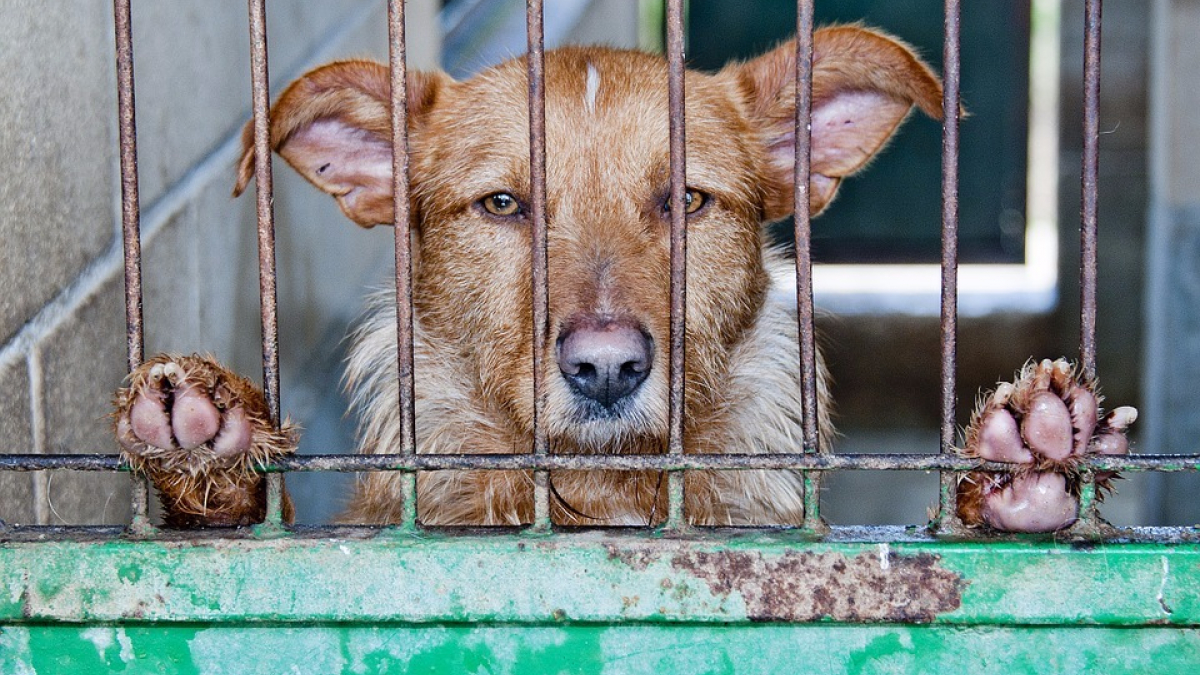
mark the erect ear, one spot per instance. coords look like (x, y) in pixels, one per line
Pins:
(864, 84)
(333, 125)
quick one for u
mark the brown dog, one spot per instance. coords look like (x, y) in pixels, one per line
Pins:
(606, 125)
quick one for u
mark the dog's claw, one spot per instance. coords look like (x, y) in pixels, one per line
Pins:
(1048, 421)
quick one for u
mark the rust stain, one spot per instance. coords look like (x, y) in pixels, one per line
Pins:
(808, 586)
(636, 558)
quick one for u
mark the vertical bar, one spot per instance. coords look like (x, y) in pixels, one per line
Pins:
(263, 190)
(675, 86)
(131, 228)
(947, 516)
(130, 208)
(1088, 516)
(1090, 187)
(803, 236)
(404, 312)
(540, 261)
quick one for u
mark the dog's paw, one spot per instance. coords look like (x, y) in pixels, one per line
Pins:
(199, 431)
(1048, 420)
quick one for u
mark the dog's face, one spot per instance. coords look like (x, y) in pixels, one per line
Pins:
(606, 209)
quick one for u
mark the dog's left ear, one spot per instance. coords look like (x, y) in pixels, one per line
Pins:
(864, 84)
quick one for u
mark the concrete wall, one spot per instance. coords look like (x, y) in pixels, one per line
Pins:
(61, 312)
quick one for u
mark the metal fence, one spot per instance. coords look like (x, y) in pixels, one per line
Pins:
(812, 461)
(307, 599)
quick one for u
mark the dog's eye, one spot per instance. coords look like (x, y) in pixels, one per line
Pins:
(692, 200)
(501, 204)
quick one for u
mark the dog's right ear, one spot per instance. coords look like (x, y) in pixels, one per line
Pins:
(333, 125)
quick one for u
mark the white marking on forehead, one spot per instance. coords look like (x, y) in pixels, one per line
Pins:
(591, 88)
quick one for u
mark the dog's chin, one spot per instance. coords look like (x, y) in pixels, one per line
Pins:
(625, 427)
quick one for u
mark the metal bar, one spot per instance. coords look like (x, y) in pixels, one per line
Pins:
(947, 516)
(1089, 517)
(803, 237)
(264, 192)
(131, 229)
(677, 371)
(1090, 187)
(540, 258)
(130, 204)
(397, 59)
(778, 460)
(139, 524)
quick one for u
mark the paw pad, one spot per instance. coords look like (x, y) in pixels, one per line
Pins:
(1048, 421)
(187, 412)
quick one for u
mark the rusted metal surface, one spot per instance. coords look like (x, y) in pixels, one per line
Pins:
(599, 577)
(540, 275)
(139, 500)
(1089, 516)
(798, 461)
(130, 227)
(812, 586)
(1090, 187)
(264, 196)
(947, 513)
(130, 202)
(677, 372)
(398, 64)
(803, 222)
(803, 239)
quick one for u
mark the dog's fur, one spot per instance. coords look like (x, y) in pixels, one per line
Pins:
(606, 130)
(608, 246)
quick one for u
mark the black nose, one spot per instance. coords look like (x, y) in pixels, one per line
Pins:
(605, 359)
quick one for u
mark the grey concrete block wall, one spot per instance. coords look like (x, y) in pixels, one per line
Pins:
(57, 130)
(62, 344)
(77, 373)
(16, 432)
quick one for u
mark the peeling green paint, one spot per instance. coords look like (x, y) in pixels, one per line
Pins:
(596, 603)
(600, 578)
(595, 650)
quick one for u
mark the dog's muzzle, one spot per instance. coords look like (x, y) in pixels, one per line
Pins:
(604, 360)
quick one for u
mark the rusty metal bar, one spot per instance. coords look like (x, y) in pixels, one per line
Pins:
(131, 228)
(803, 236)
(1090, 187)
(130, 203)
(139, 501)
(540, 261)
(947, 516)
(1089, 518)
(397, 60)
(775, 461)
(677, 369)
(264, 192)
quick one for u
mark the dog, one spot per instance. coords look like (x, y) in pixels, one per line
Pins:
(199, 430)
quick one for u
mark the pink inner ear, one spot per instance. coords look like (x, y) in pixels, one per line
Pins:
(850, 127)
(347, 162)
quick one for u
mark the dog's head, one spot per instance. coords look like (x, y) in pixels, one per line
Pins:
(606, 208)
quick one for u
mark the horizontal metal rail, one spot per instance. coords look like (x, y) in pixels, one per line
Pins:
(774, 461)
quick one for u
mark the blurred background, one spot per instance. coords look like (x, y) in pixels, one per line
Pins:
(62, 344)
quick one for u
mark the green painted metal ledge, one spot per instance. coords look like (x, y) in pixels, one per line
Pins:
(596, 602)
